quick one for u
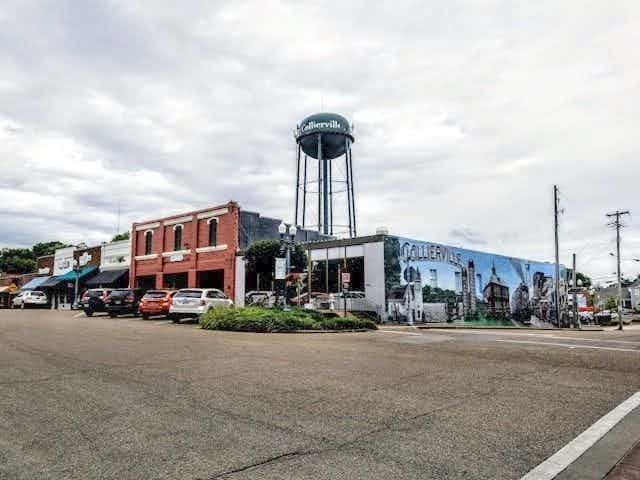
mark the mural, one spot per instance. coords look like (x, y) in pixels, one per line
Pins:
(460, 285)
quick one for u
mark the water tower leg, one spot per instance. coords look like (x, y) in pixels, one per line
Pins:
(331, 197)
(319, 181)
(304, 193)
(325, 196)
(348, 183)
(297, 185)
(353, 198)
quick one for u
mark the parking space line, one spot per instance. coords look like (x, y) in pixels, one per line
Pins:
(571, 345)
(401, 333)
(595, 339)
(568, 454)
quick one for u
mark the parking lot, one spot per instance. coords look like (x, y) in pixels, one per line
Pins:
(84, 398)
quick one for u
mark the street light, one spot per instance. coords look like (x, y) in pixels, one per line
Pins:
(287, 242)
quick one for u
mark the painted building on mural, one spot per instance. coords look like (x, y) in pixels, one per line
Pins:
(438, 283)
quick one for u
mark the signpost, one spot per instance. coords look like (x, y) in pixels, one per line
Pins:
(281, 268)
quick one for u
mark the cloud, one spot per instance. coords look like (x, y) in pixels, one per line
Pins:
(466, 113)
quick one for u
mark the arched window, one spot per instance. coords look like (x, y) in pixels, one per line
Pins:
(177, 237)
(213, 232)
(148, 242)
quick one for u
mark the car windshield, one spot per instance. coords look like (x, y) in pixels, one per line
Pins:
(95, 293)
(189, 294)
(120, 293)
(155, 294)
(37, 294)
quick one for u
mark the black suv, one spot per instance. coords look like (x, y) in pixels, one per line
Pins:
(124, 300)
(93, 300)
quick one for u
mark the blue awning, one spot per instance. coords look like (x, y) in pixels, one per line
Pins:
(83, 273)
(34, 283)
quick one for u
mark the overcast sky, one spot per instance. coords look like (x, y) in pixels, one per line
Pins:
(466, 113)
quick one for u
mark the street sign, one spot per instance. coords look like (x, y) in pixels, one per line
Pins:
(346, 277)
(281, 268)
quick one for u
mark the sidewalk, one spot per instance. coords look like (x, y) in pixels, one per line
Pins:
(629, 466)
(616, 456)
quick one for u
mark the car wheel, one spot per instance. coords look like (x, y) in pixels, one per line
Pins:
(145, 316)
(88, 313)
(175, 319)
(112, 315)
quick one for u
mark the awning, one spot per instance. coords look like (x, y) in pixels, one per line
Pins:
(50, 282)
(69, 277)
(107, 278)
(34, 283)
(82, 274)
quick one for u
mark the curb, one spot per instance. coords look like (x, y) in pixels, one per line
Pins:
(351, 330)
(486, 327)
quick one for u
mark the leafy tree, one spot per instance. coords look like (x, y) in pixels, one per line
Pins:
(581, 277)
(120, 236)
(260, 257)
(437, 295)
(17, 260)
(611, 304)
(46, 248)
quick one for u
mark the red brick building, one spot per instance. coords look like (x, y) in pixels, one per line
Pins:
(199, 248)
(193, 249)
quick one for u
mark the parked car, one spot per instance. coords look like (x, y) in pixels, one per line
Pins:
(156, 302)
(30, 298)
(122, 301)
(192, 302)
(93, 301)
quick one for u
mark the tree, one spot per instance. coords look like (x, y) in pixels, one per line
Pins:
(120, 236)
(46, 248)
(260, 257)
(17, 260)
(581, 277)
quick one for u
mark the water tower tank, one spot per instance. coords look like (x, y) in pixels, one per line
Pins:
(335, 129)
(325, 137)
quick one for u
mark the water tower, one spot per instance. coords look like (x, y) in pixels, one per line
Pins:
(322, 139)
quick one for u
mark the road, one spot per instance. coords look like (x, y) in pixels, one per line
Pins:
(85, 398)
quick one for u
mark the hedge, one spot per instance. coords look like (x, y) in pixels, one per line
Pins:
(260, 319)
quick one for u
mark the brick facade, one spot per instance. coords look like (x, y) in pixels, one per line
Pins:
(196, 263)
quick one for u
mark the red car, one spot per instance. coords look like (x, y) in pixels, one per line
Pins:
(156, 302)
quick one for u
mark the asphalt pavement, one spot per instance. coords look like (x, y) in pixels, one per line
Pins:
(85, 398)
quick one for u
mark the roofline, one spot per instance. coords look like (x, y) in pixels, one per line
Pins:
(343, 242)
(188, 212)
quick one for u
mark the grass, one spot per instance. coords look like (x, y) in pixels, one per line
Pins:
(260, 319)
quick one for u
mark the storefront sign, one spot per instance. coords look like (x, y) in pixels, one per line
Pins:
(176, 257)
(346, 277)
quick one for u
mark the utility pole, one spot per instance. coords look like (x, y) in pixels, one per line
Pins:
(555, 224)
(576, 319)
(617, 224)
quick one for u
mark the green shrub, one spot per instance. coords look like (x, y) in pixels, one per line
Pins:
(259, 319)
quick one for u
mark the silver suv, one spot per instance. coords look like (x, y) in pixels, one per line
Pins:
(30, 298)
(192, 302)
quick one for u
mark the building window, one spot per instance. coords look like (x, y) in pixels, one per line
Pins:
(433, 278)
(213, 232)
(148, 242)
(177, 238)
